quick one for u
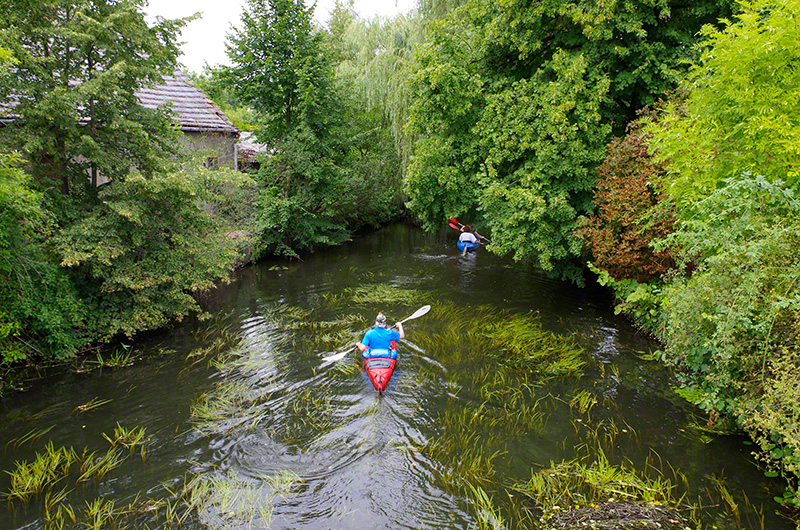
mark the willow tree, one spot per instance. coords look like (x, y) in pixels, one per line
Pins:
(283, 68)
(513, 104)
(377, 60)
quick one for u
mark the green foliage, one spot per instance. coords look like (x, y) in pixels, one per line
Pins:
(375, 61)
(639, 301)
(630, 214)
(145, 250)
(734, 317)
(514, 102)
(213, 82)
(280, 68)
(40, 306)
(77, 66)
(331, 169)
(742, 112)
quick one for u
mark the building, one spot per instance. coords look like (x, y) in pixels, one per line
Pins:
(204, 125)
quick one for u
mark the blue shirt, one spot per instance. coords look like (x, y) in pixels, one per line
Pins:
(380, 338)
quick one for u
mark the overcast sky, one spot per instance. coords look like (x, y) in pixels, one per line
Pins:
(204, 39)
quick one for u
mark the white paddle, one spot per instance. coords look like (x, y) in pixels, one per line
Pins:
(336, 356)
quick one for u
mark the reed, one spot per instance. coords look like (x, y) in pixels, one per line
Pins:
(91, 405)
(29, 437)
(48, 468)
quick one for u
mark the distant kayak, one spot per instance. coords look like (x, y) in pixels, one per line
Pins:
(380, 367)
(462, 245)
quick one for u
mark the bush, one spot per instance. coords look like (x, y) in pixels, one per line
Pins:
(143, 252)
(40, 306)
(630, 214)
(733, 322)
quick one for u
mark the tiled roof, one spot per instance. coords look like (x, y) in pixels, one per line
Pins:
(195, 111)
(249, 147)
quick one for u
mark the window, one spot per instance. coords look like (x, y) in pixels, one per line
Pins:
(212, 162)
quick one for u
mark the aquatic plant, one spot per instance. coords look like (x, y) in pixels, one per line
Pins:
(127, 438)
(91, 405)
(30, 436)
(117, 358)
(584, 401)
(488, 516)
(228, 501)
(231, 404)
(383, 294)
(521, 342)
(48, 468)
(306, 415)
(570, 492)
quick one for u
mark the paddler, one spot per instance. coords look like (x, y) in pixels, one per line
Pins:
(379, 341)
(467, 240)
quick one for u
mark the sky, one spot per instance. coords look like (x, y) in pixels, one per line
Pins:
(204, 38)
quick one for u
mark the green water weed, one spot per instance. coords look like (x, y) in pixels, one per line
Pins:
(91, 405)
(583, 401)
(127, 438)
(29, 437)
(383, 294)
(94, 466)
(488, 516)
(228, 501)
(48, 467)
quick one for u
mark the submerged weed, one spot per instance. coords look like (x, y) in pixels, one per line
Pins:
(228, 501)
(48, 468)
(383, 294)
(91, 405)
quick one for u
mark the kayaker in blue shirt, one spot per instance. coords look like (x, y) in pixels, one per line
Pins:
(377, 342)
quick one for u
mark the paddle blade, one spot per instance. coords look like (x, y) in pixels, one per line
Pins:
(451, 220)
(337, 356)
(419, 312)
(454, 226)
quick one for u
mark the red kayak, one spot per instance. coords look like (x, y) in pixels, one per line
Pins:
(379, 370)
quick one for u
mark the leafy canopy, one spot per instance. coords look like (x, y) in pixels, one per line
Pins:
(514, 102)
(742, 112)
(77, 65)
(326, 173)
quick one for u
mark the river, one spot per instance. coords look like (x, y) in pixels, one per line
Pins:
(246, 420)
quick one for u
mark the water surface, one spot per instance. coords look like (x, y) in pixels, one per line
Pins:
(244, 400)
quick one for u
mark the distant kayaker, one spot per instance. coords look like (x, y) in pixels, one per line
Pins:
(378, 341)
(467, 240)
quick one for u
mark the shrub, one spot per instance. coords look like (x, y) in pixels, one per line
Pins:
(630, 213)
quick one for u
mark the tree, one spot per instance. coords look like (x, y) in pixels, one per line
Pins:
(742, 109)
(282, 67)
(146, 249)
(77, 65)
(41, 308)
(377, 61)
(515, 102)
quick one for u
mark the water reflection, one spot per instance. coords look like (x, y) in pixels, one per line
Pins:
(243, 403)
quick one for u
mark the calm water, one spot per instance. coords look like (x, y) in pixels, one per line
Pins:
(244, 401)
